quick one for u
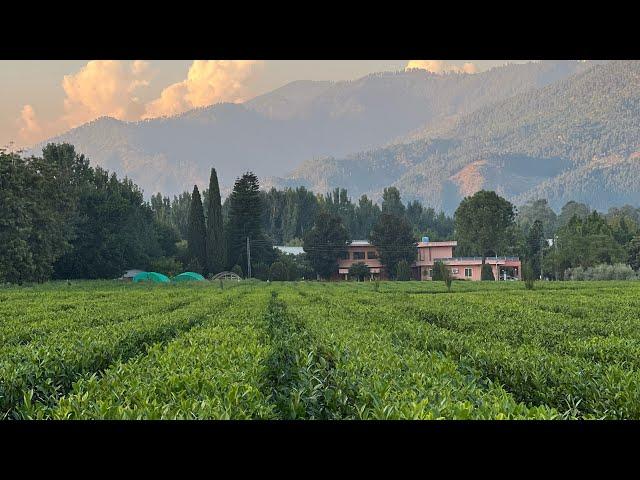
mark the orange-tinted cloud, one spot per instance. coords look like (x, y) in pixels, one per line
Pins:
(110, 88)
(104, 88)
(30, 128)
(208, 82)
(440, 66)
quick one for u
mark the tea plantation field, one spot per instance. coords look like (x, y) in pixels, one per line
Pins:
(307, 350)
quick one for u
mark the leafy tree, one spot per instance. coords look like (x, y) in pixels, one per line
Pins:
(393, 237)
(391, 202)
(570, 210)
(358, 271)
(367, 214)
(278, 272)
(528, 273)
(483, 221)
(16, 261)
(180, 207)
(403, 271)
(168, 237)
(216, 249)
(541, 211)
(535, 245)
(324, 243)
(634, 253)
(245, 221)
(196, 234)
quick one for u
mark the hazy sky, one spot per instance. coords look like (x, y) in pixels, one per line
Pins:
(39, 99)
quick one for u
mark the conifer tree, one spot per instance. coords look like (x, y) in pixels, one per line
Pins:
(196, 234)
(215, 235)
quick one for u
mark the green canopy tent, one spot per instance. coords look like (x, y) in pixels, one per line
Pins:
(151, 277)
(188, 277)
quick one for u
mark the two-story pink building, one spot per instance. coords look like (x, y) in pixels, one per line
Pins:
(462, 268)
(360, 251)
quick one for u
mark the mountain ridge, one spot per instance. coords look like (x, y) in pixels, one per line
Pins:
(273, 134)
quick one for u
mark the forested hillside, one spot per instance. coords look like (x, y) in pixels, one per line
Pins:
(577, 138)
(274, 133)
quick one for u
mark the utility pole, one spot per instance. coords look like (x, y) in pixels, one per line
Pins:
(248, 258)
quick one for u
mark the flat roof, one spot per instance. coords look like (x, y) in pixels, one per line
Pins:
(290, 250)
(360, 243)
(451, 243)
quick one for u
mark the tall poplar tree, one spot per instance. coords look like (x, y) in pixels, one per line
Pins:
(196, 234)
(215, 237)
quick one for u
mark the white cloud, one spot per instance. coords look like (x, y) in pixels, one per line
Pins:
(30, 128)
(111, 88)
(104, 88)
(208, 82)
(441, 67)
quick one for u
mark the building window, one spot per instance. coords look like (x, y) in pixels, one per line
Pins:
(372, 254)
(467, 272)
(454, 271)
(358, 255)
(421, 255)
(344, 255)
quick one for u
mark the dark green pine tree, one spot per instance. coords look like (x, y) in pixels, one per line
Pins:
(215, 236)
(245, 220)
(196, 234)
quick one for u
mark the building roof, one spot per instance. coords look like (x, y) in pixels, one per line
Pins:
(290, 250)
(451, 243)
(476, 260)
(360, 243)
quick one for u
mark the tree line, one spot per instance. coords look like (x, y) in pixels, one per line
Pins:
(64, 219)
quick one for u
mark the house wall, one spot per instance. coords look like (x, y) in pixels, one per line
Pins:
(427, 255)
(372, 263)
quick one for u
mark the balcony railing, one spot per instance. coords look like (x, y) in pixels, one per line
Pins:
(465, 259)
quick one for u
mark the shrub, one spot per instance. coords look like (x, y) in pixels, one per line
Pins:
(167, 265)
(487, 273)
(618, 271)
(446, 275)
(278, 272)
(358, 271)
(237, 269)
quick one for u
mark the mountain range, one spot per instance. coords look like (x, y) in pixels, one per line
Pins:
(575, 139)
(555, 129)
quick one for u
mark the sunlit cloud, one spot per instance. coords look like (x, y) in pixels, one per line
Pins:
(29, 126)
(207, 82)
(112, 88)
(104, 88)
(441, 67)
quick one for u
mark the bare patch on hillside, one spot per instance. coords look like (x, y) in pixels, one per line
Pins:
(470, 179)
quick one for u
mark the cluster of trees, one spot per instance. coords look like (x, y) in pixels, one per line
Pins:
(577, 237)
(289, 214)
(61, 218)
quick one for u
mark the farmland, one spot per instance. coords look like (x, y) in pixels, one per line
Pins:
(309, 350)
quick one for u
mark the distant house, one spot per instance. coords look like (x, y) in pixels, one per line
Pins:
(360, 251)
(129, 274)
(462, 268)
